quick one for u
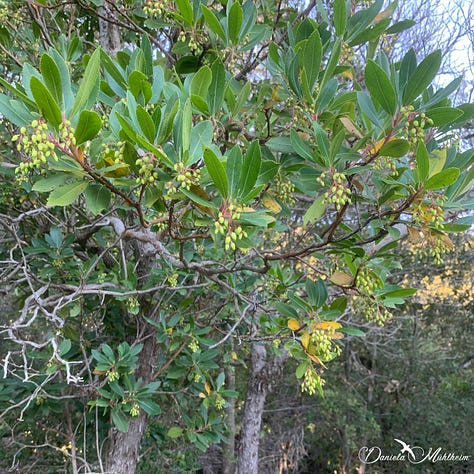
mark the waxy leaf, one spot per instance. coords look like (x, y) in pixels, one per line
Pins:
(200, 82)
(88, 126)
(89, 83)
(422, 162)
(67, 194)
(45, 102)
(442, 179)
(234, 22)
(52, 78)
(422, 76)
(396, 148)
(212, 22)
(340, 16)
(380, 87)
(216, 171)
(250, 169)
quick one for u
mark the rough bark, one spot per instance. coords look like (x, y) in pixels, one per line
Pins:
(263, 373)
(109, 31)
(229, 445)
(124, 448)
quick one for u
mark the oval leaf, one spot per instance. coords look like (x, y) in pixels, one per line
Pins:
(88, 126)
(216, 171)
(67, 194)
(442, 179)
(380, 87)
(45, 102)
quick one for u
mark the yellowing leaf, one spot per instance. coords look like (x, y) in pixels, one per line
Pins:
(414, 235)
(202, 395)
(341, 278)
(350, 127)
(375, 149)
(233, 355)
(293, 324)
(207, 387)
(315, 359)
(305, 338)
(270, 203)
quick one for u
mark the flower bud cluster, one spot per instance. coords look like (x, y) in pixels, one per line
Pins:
(338, 193)
(66, 133)
(193, 346)
(323, 341)
(135, 409)
(146, 170)
(431, 212)
(347, 54)
(415, 124)
(115, 152)
(283, 189)
(157, 8)
(35, 142)
(225, 225)
(112, 375)
(311, 381)
(367, 282)
(386, 163)
(185, 178)
(173, 280)
(371, 310)
(133, 305)
(192, 43)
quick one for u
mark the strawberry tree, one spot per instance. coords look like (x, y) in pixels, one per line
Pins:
(234, 182)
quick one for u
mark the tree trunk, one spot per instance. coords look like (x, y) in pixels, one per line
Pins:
(229, 445)
(109, 31)
(124, 448)
(262, 374)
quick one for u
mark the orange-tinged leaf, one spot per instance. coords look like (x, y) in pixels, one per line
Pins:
(337, 335)
(293, 324)
(98, 372)
(327, 325)
(207, 387)
(415, 235)
(375, 149)
(341, 278)
(316, 359)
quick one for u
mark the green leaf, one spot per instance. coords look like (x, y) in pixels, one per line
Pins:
(422, 76)
(97, 198)
(443, 115)
(45, 102)
(49, 183)
(233, 169)
(250, 169)
(300, 146)
(442, 179)
(67, 194)
(332, 62)
(88, 126)
(139, 85)
(119, 419)
(301, 369)
(15, 111)
(340, 16)
(216, 171)
(352, 332)
(216, 91)
(174, 432)
(201, 81)
(146, 123)
(317, 292)
(396, 148)
(185, 9)
(88, 84)
(315, 211)
(65, 347)
(234, 22)
(380, 87)
(187, 123)
(52, 78)
(149, 406)
(212, 22)
(322, 141)
(422, 162)
(311, 59)
(400, 26)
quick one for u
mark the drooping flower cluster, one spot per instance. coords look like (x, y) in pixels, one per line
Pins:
(225, 225)
(338, 192)
(147, 173)
(311, 381)
(35, 143)
(186, 177)
(414, 124)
